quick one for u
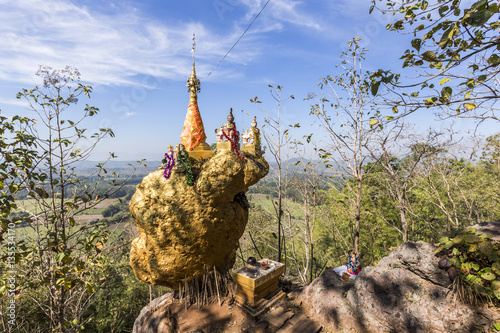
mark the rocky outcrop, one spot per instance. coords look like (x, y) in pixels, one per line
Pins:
(155, 317)
(405, 292)
(489, 228)
(183, 228)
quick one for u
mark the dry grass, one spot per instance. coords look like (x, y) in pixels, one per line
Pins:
(465, 293)
(212, 287)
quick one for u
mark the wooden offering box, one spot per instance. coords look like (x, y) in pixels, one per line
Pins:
(255, 284)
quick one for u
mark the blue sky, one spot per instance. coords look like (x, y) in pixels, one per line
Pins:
(136, 55)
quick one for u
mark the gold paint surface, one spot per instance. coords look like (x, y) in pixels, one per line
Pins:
(184, 228)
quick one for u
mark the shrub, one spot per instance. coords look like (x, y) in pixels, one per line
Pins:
(476, 259)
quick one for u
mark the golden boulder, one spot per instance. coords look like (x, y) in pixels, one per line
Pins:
(183, 228)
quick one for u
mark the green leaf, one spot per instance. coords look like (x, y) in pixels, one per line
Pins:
(42, 193)
(469, 106)
(448, 244)
(374, 87)
(439, 249)
(13, 188)
(494, 258)
(496, 267)
(495, 286)
(455, 261)
(479, 18)
(485, 247)
(470, 278)
(443, 240)
(471, 238)
(493, 59)
(488, 276)
(446, 92)
(373, 122)
(90, 287)
(444, 80)
(60, 256)
(2, 290)
(417, 42)
(429, 56)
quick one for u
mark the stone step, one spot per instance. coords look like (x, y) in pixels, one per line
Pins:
(300, 324)
(278, 317)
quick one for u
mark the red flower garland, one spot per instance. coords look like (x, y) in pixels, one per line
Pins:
(233, 142)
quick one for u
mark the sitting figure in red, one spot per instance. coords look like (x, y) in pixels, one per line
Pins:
(352, 269)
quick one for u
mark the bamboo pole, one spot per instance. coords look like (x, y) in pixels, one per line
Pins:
(217, 284)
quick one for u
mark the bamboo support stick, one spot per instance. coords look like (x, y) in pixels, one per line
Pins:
(217, 285)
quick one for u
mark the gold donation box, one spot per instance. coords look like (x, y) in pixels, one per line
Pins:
(256, 283)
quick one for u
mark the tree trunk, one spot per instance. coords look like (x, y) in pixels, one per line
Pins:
(358, 216)
(404, 224)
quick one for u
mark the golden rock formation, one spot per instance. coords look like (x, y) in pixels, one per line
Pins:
(184, 228)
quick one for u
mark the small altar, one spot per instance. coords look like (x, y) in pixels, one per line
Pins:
(257, 286)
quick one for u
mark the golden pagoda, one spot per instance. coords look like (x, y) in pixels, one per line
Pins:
(193, 133)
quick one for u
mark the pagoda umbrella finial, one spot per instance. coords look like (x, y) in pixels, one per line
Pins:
(193, 132)
(193, 83)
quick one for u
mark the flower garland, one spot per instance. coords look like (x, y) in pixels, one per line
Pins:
(256, 137)
(169, 157)
(183, 157)
(233, 142)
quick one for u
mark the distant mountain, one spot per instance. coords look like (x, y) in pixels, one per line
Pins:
(113, 165)
(292, 165)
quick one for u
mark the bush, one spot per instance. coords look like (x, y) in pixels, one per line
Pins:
(475, 258)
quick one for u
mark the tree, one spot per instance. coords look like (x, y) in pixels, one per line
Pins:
(61, 266)
(456, 191)
(491, 154)
(17, 164)
(18, 160)
(277, 140)
(399, 155)
(349, 117)
(455, 50)
(308, 185)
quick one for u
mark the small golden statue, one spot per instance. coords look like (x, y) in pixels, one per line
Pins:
(228, 137)
(251, 140)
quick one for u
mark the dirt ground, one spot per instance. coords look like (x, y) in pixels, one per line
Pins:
(213, 318)
(285, 316)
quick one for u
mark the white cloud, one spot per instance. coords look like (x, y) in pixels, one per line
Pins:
(16, 102)
(107, 48)
(289, 11)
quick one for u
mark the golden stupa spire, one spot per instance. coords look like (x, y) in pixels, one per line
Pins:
(193, 83)
(193, 132)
